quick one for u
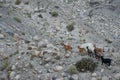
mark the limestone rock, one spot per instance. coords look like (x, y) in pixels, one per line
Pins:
(58, 68)
(105, 78)
(94, 74)
(17, 77)
(12, 74)
(117, 76)
(2, 36)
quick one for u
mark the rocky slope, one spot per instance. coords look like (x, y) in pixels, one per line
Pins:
(31, 32)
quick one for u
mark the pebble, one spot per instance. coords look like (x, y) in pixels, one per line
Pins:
(75, 77)
(93, 78)
(13, 67)
(117, 76)
(61, 78)
(17, 77)
(0, 15)
(36, 37)
(67, 55)
(12, 74)
(2, 36)
(94, 74)
(105, 78)
(58, 68)
(102, 70)
(38, 53)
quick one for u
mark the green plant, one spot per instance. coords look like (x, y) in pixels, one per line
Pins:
(26, 3)
(17, 19)
(17, 52)
(86, 64)
(17, 2)
(54, 13)
(72, 69)
(5, 65)
(23, 33)
(70, 27)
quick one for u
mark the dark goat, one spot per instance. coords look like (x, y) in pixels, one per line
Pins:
(106, 60)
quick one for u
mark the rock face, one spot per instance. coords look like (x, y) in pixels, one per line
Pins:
(31, 33)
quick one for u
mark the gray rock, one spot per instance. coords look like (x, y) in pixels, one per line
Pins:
(117, 76)
(2, 36)
(94, 74)
(58, 68)
(36, 38)
(12, 74)
(0, 15)
(105, 78)
(17, 77)
(75, 77)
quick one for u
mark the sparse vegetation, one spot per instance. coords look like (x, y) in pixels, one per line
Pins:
(23, 33)
(28, 14)
(26, 3)
(70, 27)
(86, 64)
(17, 19)
(72, 69)
(17, 52)
(17, 2)
(5, 65)
(54, 13)
(32, 57)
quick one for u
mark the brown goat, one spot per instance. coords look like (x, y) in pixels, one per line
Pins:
(98, 51)
(66, 47)
(81, 50)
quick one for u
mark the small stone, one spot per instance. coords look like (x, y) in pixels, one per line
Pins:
(58, 68)
(12, 74)
(105, 78)
(19, 57)
(102, 70)
(38, 53)
(94, 74)
(67, 55)
(93, 78)
(32, 43)
(36, 38)
(48, 59)
(53, 78)
(0, 15)
(75, 77)
(15, 37)
(13, 67)
(8, 44)
(2, 36)
(43, 43)
(61, 78)
(47, 65)
(117, 76)
(32, 48)
(17, 77)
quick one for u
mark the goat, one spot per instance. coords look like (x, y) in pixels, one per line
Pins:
(89, 51)
(81, 50)
(98, 51)
(66, 47)
(90, 45)
(106, 61)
